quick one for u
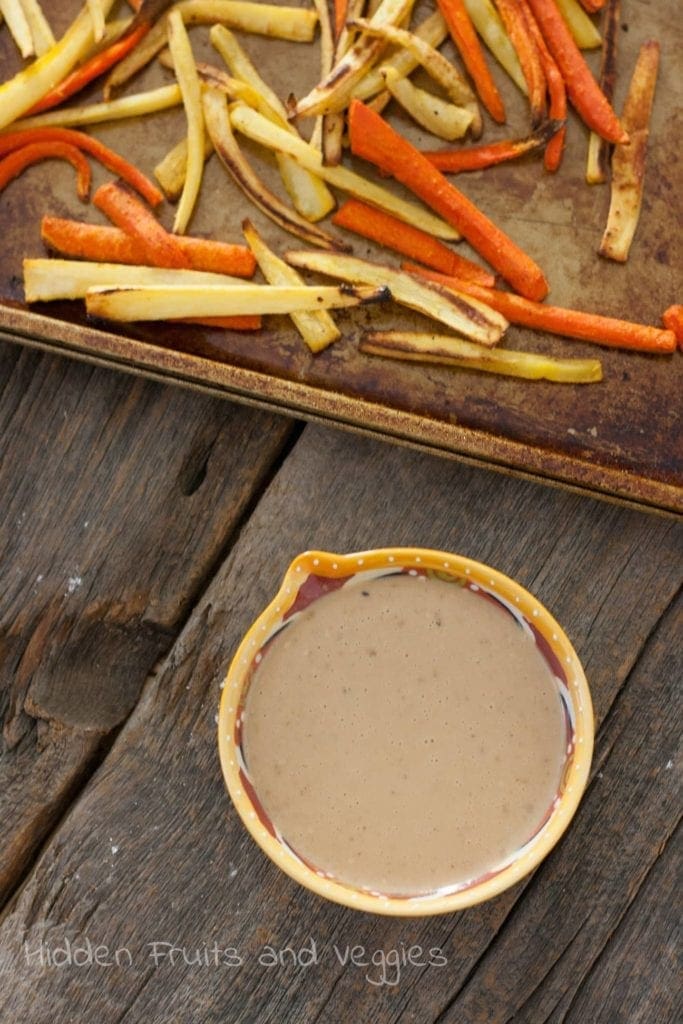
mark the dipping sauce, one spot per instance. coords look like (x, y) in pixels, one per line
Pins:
(404, 734)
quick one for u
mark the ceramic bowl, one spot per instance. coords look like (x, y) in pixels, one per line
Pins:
(316, 573)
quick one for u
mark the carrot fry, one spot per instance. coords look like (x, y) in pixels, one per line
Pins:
(374, 140)
(584, 92)
(597, 167)
(525, 46)
(556, 90)
(111, 160)
(592, 6)
(476, 158)
(93, 68)
(466, 39)
(571, 323)
(246, 322)
(340, 9)
(628, 161)
(128, 213)
(672, 318)
(20, 159)
(381, 227)
(102, 243)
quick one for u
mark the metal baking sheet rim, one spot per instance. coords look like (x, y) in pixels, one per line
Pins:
(290, 396)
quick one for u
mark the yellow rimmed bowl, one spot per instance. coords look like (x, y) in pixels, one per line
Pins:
(316, 573)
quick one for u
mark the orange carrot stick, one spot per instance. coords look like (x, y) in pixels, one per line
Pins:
(340, 12)
(466, 39)
(584, 92)
(395, 234)
(20, 159)
(374, 140)
(111, 160)
(571, 323)
(556, 90)
(672, 319)
(592, 5)
(476, 158)
(525, 47)
(93, 68)
(246, 322)
(127, 212)
(104, 244)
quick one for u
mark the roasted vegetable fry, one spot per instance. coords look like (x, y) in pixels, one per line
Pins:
(557, 92)
(27, 87)
(170, 172)
(628, 161)
(465, 38)
(473, 319)
(373, 139)
(18, 25)
(570, 323)
(486, 20)
(476, 158)
(332, 93)
(41, 32)
(294, 23)
(17, 161)
(112, 245)
(445, 350)
(517, 29)
(127, 212)
(672, 319)
(584, 92)
(113, 110)
(163, 303)
(432, 30)
(97, 18)
(188, 80)
(217, 122)
(11, 141)
(439, 117)
(316, 327)
(586, 35)
(309, 194)
(49, 280)
(258, 128)
(598, 149)
(381, 227)
(435, 64)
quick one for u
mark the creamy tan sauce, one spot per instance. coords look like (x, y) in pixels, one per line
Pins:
(404, 734)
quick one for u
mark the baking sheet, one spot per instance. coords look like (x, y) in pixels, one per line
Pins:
(620, 438)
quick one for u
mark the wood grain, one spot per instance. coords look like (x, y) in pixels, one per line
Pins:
(116, 499)
(152, 850)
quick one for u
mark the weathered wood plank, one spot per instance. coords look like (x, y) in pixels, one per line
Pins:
(153, 853)
(116, 499)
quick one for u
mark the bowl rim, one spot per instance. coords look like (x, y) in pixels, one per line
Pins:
(332, 565)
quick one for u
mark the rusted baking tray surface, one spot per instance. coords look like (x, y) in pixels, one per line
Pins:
(620, 438)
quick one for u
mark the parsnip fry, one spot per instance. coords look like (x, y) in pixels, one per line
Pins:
(29, 86)
(41, 32)
(334, 92)
(489, 26)
(112, 110)
(628, 160)
(309, 194)
(296, 24)
(48, 280)
(317, 327)
(97, 18)
(218, 126)
(432, 30)
(459, 312)
(188, 80)
(597, 165)
(164, 303)
(258, 128)
(18, 26)
(332, 140)
(170, 172)
(445, 350)
(586, 35)
(442, 119)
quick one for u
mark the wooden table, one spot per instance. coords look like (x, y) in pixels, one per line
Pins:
(142, 529)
